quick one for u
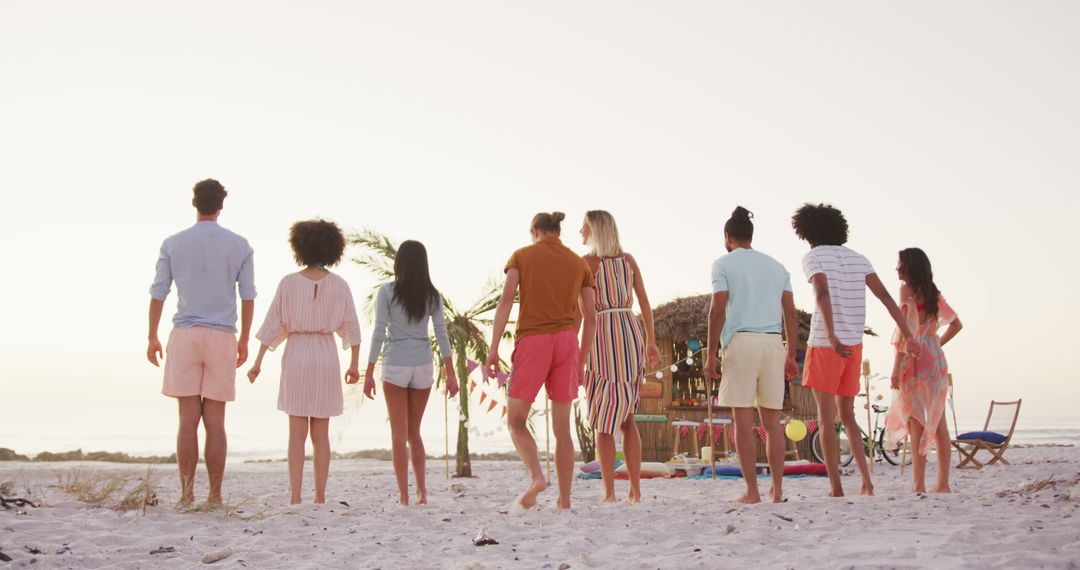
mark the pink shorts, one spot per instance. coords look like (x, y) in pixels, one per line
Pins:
(200, 361)
(550, 360)
(826, 371)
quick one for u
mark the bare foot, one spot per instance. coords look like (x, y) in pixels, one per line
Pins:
(867, 490)
(941, 489)
(214, 500)
(749, 499)
(421, 498)
(776, 495)
(919, 489)
(608, 499)
(404, 501)
(634, 497)
(562, 504)
(836, 492)
(295, 501)
(528, 498)
(320, 500)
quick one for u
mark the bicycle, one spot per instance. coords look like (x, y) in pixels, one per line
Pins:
(873, 447)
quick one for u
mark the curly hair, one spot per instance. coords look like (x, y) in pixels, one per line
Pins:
(820, 225)
(209, 196)
(317, 242)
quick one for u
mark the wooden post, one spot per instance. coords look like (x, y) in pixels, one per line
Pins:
(547, 434)
(446, 429)
(903, 455)
(869, 447)
(708, 421)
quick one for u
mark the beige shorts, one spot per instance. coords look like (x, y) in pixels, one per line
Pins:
(415, 377)
(200, 361)
(753, 372)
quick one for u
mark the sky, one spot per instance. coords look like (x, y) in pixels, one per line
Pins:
(948, 126)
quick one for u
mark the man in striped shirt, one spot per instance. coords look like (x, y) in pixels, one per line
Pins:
(840, 277)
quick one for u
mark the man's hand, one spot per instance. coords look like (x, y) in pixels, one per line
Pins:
(153, 351)
(452, 387)
(712, 371)
(241, 353)
(791, 369)
(492, 362)
(842, 349)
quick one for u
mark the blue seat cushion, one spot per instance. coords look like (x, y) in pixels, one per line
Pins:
(987, 436)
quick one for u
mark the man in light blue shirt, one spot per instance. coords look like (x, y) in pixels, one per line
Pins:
(208, 263)
(751, 301)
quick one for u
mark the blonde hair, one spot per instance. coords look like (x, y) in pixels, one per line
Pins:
(548, 223)
(603, 234)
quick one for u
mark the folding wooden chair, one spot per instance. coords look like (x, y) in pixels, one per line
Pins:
(969, 444)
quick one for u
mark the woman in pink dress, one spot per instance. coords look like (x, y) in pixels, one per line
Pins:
(308, 308)
(922, 380)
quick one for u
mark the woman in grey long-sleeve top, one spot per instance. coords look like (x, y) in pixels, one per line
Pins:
(404, 307)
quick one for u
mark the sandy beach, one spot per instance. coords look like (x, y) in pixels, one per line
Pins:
(1000, 517)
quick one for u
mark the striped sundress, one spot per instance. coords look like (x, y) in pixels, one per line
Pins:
(307, 314)
(616, 368)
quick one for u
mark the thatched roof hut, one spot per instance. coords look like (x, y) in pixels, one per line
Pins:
(688, 317)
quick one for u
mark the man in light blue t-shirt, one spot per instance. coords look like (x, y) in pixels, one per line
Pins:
(751, 302)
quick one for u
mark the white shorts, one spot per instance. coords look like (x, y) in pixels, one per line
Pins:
(752, 372)
(415, 377)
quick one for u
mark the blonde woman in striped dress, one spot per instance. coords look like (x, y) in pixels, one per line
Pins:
(616, 367)
(310, 306)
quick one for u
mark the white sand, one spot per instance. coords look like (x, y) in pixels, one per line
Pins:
(991, 522)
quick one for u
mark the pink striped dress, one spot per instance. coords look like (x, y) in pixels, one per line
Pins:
(308, 313)
(616, 367)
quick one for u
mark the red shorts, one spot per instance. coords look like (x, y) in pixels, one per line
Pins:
(826, 371)
(550, 360)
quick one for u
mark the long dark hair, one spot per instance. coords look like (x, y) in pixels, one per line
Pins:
(917, 273)
(412, 283)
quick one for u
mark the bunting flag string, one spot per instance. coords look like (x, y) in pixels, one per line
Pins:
(492, 405)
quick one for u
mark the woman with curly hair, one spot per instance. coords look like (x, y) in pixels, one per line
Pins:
(840, 277)
(922, 379)
(308, 308)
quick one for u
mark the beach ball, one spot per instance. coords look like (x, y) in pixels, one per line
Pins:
(795, 430)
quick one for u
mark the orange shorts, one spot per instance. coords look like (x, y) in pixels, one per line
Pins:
(200, 361)
(826, 371)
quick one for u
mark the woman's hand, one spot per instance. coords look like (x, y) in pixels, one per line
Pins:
(352, 375)
(369, 385)
(895, 382)
(452, 387)
(652, 354)
(254, 372)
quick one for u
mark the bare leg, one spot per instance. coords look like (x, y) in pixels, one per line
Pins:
(564, 450)
(918, 460)
(516, 419)
(217, 446)
(826, 405)
(397, 406)
(187, 445)
(298, 432)
(846, 408)
(320, 441)
(605, 452)
(944, 455)
(418, 400)
(775, 443)
(632, 456)
(746, 449)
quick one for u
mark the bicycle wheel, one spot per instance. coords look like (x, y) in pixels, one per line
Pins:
(845, 447)
(895, 456)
